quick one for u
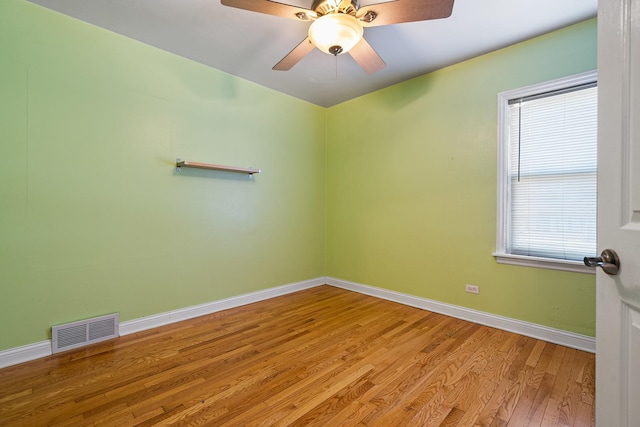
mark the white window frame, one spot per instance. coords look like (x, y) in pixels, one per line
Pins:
(500, 254)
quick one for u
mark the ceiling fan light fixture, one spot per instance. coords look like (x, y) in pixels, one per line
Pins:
(335, 33)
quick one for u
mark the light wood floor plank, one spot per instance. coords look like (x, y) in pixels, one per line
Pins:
(319, 357)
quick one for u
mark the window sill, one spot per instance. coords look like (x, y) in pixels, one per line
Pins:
(548, 263)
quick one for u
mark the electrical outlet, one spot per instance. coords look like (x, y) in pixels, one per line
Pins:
(473, 289)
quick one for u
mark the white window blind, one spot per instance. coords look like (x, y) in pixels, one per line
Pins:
(552, 166)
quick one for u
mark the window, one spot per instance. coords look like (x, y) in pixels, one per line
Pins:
(547, 194)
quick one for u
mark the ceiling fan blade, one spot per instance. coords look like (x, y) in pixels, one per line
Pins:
(396, 12)
(367, 57)
(293, 57)
(272, 8)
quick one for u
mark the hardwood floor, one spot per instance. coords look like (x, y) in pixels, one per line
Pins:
(319, 357)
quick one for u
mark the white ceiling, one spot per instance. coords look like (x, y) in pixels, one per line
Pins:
(247, 44)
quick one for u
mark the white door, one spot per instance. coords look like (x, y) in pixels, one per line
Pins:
(618, 297)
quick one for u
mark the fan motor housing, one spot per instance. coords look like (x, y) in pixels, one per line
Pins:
(324, 7)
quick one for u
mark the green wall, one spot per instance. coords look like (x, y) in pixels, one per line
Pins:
(396, 189)
(411, 186)
(93, 217)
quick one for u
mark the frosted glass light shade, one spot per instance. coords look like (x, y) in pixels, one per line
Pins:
(335, 30)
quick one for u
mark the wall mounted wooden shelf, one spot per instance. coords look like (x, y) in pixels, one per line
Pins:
(187, 164)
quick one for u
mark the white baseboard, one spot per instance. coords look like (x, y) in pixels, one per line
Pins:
(41, 349)
(37, 350)
(16, 355)
(144, 323)
(556, 336)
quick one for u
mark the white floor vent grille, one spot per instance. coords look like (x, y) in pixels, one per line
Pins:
(84, 332)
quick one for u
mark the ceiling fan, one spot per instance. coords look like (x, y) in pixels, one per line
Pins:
(338, 25)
